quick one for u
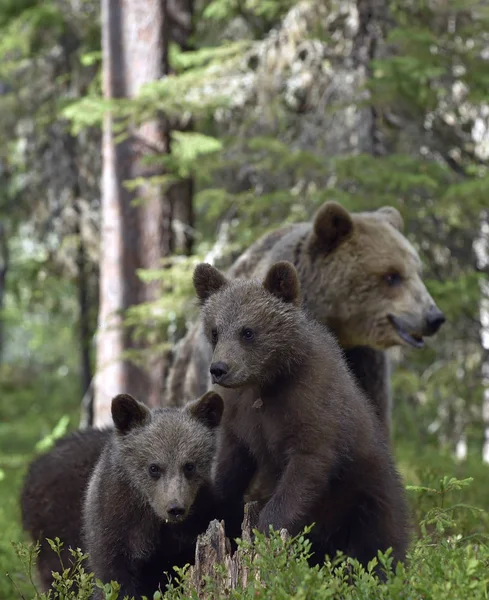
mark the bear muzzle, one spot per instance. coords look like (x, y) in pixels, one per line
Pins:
(412, 329)
(228, 376)
(219, 371)
(176, 512)
(434, 320)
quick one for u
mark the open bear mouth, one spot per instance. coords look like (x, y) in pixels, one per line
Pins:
(413, 339)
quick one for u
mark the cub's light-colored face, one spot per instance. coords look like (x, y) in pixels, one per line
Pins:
(365, 280)
(168, 453)
(249, 324)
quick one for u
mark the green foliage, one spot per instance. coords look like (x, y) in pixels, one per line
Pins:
(442, 563)
(71, 581)
(21, 31)
(190, 147)
(432, 55)
(260, 14)
(58, 432)
(206, 57)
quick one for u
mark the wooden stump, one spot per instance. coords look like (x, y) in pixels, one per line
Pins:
(213, 550)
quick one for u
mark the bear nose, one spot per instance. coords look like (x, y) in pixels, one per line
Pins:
(218, 371)
(175, 510)
(434, 320)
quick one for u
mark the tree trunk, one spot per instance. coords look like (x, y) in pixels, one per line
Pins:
(481, 248)
(134, 53)
(368, 45)
(213, 549)
(83, 305)
(4, 265)
(82, 274)
(181, 196)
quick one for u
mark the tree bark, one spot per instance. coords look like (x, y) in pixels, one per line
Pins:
(213, 549)
(83, 305)
(133, 54)
(368, 46)
(481, 249)
(181, 198)
(69, 43)
(4, 266)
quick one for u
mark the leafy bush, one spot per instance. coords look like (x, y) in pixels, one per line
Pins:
(443, 563)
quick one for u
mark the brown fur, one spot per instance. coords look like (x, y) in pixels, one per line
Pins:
(294, 415)
(356, 271)
(150, 494)
(51, 499)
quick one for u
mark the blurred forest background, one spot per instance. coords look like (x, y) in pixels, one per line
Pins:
(230, 118)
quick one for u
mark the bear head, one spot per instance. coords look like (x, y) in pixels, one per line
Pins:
(168, 453)
(253, 327)
(364, 279)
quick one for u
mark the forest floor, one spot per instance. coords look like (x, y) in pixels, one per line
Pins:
(450, 561)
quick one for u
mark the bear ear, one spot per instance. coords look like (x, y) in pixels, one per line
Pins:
(128, 413)
(207, 281)
(332, 225)
(392, 216)
(208, 409)
(282, 282)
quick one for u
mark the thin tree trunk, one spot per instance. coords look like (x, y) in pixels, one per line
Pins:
(70, 42)
(83, 305)
(81, 276)
(181, 196)
(4, 266)
(146, 34)
(485, 397)
(481, 248)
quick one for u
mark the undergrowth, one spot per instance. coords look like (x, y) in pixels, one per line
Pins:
(442, 563)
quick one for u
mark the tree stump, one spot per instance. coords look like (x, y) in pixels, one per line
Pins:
(217, 570)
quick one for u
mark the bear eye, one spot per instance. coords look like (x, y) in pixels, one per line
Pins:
(188, 468)
(154, 471)
(393, 278)
(214, 336)
(248, 334)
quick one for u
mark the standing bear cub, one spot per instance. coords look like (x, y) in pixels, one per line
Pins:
(150, 494)
(295, 417)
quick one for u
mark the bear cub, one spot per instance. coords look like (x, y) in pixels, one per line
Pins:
(150, 494)
(295, 416)
(52, 496)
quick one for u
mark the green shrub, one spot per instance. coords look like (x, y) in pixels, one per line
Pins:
(443, 564)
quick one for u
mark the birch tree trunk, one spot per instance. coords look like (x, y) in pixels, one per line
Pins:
(481, 247)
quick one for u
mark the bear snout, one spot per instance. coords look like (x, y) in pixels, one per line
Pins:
(218, 370)
(175, 511)
(434, 320)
